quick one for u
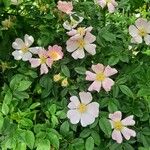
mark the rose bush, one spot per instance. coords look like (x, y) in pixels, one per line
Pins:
(75, 75)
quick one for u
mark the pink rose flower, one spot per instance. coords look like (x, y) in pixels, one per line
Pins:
(140, 31)
(77, 45)
(44, 61)
(100, 77)
(120, 127)
(111, 4)
(83, 111)
(55, 52)
(65, 7)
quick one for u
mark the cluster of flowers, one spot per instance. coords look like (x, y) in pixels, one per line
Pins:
(81, 40)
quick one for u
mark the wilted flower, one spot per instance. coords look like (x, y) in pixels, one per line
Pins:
(111, 4)
(57, 77)
(77, 46)
(65, 7)
(55, 52)
(64, 82)
(7, 23)
(100, 77)
(79, 32)
(83, 111)
(120, 126)
(43, 60)
(69, 25)
(23, 50)
(140, 30)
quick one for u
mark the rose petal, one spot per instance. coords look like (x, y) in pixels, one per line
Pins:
(99, 68)
(72, 45)
(147, 39)
(93, 109)
(44, 69)
(128, 121)
(90, 48)
(95, 86)
(26, 56)
(74, 116)
(109, 71)
(127, 133)
(116, 116)
(28, 40)
(17, 55)
(116, 135)
(90, 76)
(107, 84)
(78, 54)
(18, 44)
(35, 62)
(85, 97)
(74, 102)
(133, 31)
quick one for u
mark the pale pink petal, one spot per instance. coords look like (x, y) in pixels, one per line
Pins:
(74, 116)
(90, 48)
(107, 84)
(136, 39)
(133, 31)
(109, 71)
(18, 44)
(49, 62)
(112, 125)
(44, 69)
(89, 29)
(128, 121)
(116, 116)
(74, 102)
(148, 27)
(17, 54)
(35, 62)
(34, 50)
(147, 39)
(111, 7)
(28, 40)
(102, 3)
(26, 56)
(99, 68)
(127, 133)
(89, 38)
(87, 119)
(95, 86)
(116, 135)
(93, 109)
(72, 45)
(72, 32)
(85, 97)
(114, 3)
(141, 23)
(90, 76)
(78, 54)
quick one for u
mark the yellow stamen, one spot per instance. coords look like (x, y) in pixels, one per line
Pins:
(100, 76)
(24, 49)
(118, 125)
(64, 83)
(82, 108)
(57, 77)
(81, 43)
(142, 32)
(81, 31)
(43, 60)
(108, 1)
(54, 55)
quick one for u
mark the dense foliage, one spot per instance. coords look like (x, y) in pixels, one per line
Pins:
(33, 112)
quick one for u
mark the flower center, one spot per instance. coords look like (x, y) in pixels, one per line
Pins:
(142, 32)
(118, 125)
(54, 55)
(108, 1)
(24, 49)
(81, 31)
(100, 76)
(81, 43)
(82, 108)
(43, 60)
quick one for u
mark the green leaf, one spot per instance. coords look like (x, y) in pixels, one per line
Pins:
(64, 128)
(65, 70)
(1, 122)
(24, 85)
(21, 95)
(26, 122)
(126, 90)
(95, 135)
(8, 97)
(113, 60)
(54, 140)
(105, 126)
(21, 146)
(52, 109)
(34, 105)
(30, 139)
(5, 109)
(80, 70)
(44, 145)
(89, 144)
(112, 107)
(85, 133)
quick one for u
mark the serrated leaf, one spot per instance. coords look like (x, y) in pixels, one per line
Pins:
(30, 139)
(24, 85)
(44, 145)
(80, 70)
(126, 90)
(65, 70)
